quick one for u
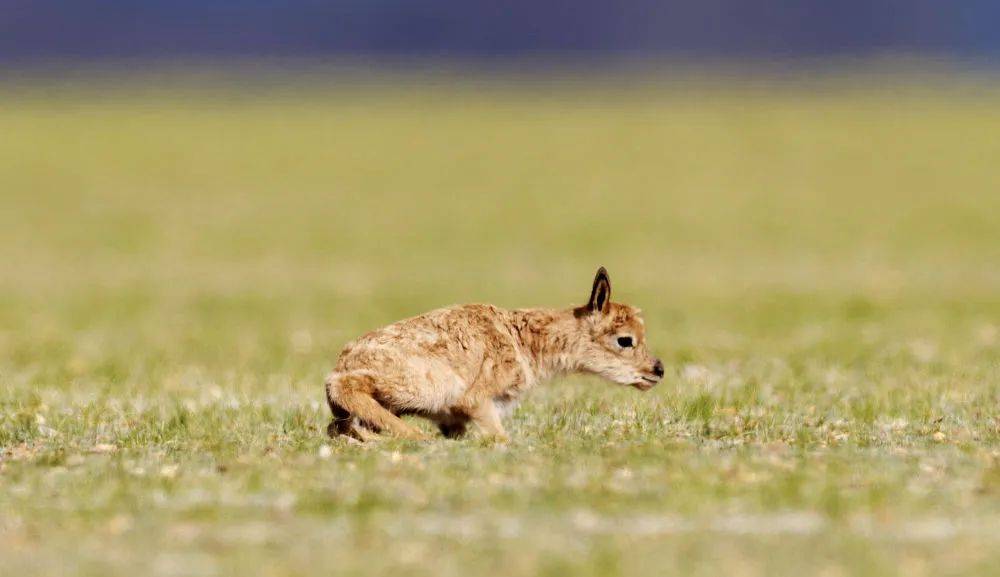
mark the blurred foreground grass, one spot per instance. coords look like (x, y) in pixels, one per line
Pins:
(819, 267)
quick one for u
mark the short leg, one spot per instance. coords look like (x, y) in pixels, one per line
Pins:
(487, 418)
(342, 420)
(362, 433)
(352, 428)
(371, 413)
(452, 429)
(352, 393)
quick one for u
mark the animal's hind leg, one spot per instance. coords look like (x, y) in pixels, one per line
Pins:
(344, 424)
(353, 393)
(342, 421)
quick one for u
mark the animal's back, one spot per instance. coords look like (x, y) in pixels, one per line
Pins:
(460, 336)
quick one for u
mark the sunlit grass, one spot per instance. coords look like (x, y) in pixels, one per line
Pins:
(817, 266)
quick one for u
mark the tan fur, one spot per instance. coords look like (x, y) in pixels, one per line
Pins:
(474, 362)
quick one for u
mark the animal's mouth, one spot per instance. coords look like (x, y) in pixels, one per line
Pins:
(645, 383)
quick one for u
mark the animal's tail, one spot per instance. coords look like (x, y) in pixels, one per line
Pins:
(351, 395)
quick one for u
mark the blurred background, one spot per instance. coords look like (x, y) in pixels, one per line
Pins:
(689, 28)
(244, 171)
(448, 151)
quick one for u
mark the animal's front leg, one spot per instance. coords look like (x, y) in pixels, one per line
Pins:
(452, 429)
(487, 417)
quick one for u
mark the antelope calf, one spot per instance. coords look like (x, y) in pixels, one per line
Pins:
(474, 362)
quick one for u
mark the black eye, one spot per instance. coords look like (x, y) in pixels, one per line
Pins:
(624, 342)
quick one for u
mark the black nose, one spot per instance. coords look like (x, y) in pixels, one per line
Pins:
(658, 368)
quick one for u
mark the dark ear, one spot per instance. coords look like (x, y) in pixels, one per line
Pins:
(600, 295)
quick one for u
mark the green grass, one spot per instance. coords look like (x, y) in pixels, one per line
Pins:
(818, 267)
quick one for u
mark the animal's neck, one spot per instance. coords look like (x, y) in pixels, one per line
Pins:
(546, 340)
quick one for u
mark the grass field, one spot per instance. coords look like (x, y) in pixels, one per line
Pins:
(819, 267)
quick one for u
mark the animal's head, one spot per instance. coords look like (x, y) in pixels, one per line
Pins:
(614, 339)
